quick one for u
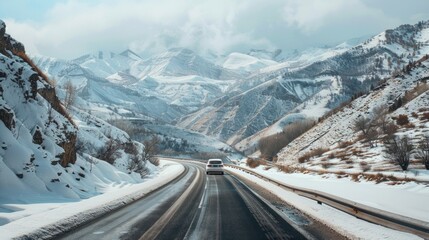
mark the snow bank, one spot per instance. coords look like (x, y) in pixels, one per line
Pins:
(343, 223)
(61, 216)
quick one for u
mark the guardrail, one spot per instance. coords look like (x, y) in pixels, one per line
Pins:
(370, 214)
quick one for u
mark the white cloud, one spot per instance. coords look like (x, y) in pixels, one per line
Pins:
(312, 15)
(75, 27)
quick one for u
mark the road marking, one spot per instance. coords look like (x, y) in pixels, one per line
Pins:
(204, 194)
(159, 225)
(218, 216)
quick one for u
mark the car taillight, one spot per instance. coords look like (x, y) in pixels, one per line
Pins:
(220, 165)
(209, 165)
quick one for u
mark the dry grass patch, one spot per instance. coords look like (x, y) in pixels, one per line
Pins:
(253, 163)
(365, 166)
(326, 165)
(313, 153)
(402, 120)
(345, 144)
(286, 168)
(349, 161)
(424, 116)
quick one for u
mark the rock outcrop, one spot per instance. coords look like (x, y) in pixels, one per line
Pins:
(24, 86)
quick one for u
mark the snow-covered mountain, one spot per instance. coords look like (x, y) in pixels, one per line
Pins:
(111, 91)
(154, 94)
(164, 87)
(405, 95)
(179, 62)
(247, 92)
(104, 64)
(48, 151)
(244, 63)
(311, 88)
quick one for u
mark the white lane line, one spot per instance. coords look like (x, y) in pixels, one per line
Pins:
(159, 225)
(194, 235)
(204, 194)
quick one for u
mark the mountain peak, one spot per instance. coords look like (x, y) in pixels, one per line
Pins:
(130, 54)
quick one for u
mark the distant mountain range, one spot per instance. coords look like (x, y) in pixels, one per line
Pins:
(241, 94)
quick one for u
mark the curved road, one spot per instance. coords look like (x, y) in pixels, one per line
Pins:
(194, 206)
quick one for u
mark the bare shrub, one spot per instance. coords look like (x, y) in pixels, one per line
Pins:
(380, 117)
(253, 163)
(286, 168)
(402, 119)
(70, 97)
(151, 148)
(364, 166)
(363, 124)
(355, 177)
(109, 152)
(133, 130)
(326, 165)
(391, 129)
(349, 161)
(415, 92)
(136, 164)
(313, 153)
(368, 127)
(399, 150)
(209, 155)
(423, 151)
(425, 116)
(271, 145)
(345, 144)
(372, 137)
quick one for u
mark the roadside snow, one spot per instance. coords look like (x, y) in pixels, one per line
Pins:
(382, 196)
(345, 224)
(58, 215)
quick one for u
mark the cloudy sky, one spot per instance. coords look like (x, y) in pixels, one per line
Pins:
(71, 28)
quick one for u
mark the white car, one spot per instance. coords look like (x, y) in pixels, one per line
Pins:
(214, 166)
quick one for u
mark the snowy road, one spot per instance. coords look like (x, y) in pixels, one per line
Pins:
(194, 206)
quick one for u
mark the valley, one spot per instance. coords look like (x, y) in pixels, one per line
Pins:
(350, 120)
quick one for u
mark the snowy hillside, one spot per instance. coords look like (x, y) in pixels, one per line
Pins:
(104, 64)
(164, 87)
(244, 63)
(334, 77)
(242, 115)
(179, 62)
(344, 148)
(111, 92)
(48, 151)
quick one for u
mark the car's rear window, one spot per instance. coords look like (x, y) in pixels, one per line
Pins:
(215, 162)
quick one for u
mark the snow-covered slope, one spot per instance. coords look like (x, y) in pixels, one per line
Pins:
(113, 91)
(244, 114)
(334, 77)
(48, 151)
(179, 62)
(164, 87)
(104, 64)
(345, 149)
(155, 99)
(245, 63)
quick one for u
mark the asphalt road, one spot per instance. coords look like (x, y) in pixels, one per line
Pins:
(194, 206)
